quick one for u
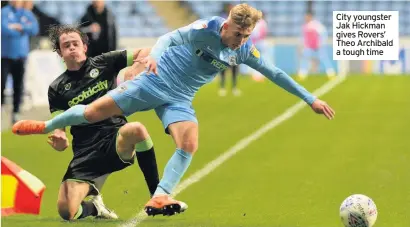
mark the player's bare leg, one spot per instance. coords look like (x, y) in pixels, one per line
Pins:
(133, 140)
(185, 135)
(98, 110)
(101, 109)
(70, 196)
(71, 204)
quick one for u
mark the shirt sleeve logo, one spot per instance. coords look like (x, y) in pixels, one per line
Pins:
(67, 86)
(255, 52)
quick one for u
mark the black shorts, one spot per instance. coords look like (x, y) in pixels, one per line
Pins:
(94, 162)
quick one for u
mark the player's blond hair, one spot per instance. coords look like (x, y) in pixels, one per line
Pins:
(245, 16)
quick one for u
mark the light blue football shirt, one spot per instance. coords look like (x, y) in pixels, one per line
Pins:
(191, 56)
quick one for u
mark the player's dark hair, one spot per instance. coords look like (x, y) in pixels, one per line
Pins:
(55, 31)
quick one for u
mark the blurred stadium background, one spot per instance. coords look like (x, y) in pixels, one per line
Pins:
(294, 175)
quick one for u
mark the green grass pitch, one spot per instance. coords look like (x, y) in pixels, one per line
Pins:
(295, 175)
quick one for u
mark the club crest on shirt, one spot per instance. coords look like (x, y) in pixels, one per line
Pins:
(232, 60)
(94, 73)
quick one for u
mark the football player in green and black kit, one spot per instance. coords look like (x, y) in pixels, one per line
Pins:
(99, 148)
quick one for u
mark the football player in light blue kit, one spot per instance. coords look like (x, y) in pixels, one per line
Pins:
(178, 65)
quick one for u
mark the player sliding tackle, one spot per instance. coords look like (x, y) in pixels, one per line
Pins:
(104, 147)
(183, 60)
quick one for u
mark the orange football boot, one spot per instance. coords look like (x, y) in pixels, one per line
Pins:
(29, 127)
(165, 205)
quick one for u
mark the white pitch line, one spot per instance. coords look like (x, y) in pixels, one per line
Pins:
(211, 166)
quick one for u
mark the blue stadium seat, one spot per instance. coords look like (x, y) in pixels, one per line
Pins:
(51, 9)
(284, 18)
(68, 19)
(130, 16)
(366, 6)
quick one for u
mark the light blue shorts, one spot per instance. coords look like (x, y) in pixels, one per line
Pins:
(143, 94)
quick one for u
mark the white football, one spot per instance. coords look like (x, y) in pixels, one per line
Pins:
(358, 211)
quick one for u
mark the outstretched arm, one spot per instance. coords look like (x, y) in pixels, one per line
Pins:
(121, 59)
(283, 80)
(136, 67)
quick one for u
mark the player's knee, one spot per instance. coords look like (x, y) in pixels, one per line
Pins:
(190, 145)
(90, 113)
(101, 109)
(66, 210)
(134, 130)
(93, 114)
